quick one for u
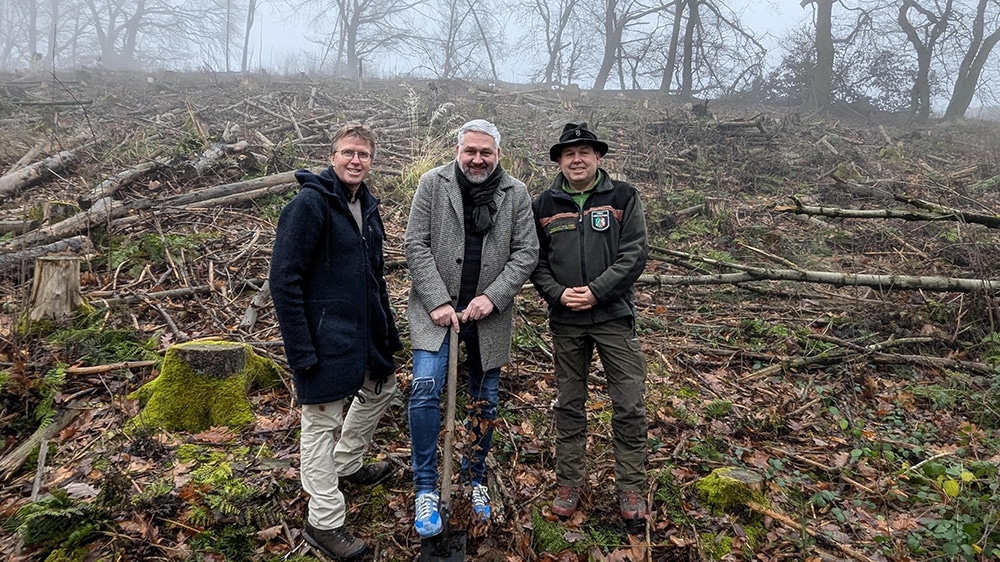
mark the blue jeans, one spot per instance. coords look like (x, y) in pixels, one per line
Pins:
(430, 369)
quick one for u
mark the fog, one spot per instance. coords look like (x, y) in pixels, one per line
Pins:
(862, 54)
(283, 43)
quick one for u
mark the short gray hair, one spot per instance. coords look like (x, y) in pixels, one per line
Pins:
(480, 126)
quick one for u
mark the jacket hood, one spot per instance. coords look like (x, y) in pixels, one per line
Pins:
(326, 182)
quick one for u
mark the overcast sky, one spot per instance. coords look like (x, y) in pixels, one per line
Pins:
(281, 39)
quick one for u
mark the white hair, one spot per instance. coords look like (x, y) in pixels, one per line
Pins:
(480, 126)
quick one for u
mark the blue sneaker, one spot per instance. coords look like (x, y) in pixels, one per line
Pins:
(481, 502)
(427, 520)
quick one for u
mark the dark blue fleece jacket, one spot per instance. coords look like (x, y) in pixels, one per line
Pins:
(329, 291)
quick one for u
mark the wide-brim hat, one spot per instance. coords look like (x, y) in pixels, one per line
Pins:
(576, 133)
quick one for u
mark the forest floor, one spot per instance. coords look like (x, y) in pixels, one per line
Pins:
(812, 312)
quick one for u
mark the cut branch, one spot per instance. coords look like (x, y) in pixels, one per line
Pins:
(881, 282)
(111, 185)
(103, 211)
(13, 263)
(234, 188)
(936, 212)
(36, 172)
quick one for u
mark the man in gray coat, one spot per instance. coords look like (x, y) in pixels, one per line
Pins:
(470, 246)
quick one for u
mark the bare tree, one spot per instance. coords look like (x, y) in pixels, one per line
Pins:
(358, 29)
(716, 53)
(449, 49)
(252, 6)
(823, 72)
(924, 37)
(825, 40)
(460, 44)
(553, 26)
(130, 34)
(11, 31)
(982, 36)
(670, 64)
(616, 18)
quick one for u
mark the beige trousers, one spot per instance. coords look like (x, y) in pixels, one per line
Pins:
(332, 444)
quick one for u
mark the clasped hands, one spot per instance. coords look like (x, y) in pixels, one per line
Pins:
(445, 315)
(578, 298)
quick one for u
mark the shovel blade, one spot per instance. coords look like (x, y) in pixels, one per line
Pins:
(449, 546)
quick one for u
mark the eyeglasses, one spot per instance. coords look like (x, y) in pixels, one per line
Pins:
(350, 154)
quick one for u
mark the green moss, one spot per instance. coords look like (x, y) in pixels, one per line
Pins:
(668, 496)
(726, 490)
(67, 555)
(718, 408)
(716, 547)
(549, 535)
(180, 399)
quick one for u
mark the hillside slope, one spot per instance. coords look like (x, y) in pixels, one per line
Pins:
(867, 405)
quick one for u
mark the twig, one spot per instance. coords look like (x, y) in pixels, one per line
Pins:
(43, 450)
(109, 367)
(787, 521)
(927, 460)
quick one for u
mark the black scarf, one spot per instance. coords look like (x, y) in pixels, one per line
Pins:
(482, 197)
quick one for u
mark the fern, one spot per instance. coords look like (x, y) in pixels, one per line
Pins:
(56, 520)
(50, 385)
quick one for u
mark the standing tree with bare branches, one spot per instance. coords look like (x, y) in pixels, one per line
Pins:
(981, 36)
(924, 37)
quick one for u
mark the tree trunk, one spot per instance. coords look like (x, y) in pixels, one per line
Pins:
(687, 73)
(612, 37)
(251, 14)
(935, 26)
(55, 293)
(13, 264)
(972, 65)
(668, 70)
(823, 73)
(36, 172)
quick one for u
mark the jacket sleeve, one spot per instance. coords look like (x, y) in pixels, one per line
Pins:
(426, 281)
(523, 253)
(542, 278)
(392, 333)
(296, 242)
(633, 249)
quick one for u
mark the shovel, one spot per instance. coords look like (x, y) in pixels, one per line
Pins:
(447, 546)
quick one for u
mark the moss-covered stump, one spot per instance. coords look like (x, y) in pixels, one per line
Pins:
(737, 492)
(201, 385)
(731, 488)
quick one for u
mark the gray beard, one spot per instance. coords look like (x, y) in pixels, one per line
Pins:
(477, 179)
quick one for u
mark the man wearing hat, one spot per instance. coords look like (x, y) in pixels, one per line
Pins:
(592, 248)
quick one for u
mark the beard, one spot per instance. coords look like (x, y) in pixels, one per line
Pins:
(477, 175)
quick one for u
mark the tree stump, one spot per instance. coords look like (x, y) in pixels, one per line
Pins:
(731, 488)
(203, 384)
(58, 211)
(55, 292)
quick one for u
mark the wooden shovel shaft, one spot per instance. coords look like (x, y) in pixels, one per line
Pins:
(449, 417)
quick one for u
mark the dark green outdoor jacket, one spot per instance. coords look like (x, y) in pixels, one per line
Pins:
(603, 245)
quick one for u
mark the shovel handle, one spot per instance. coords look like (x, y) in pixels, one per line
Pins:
(449, 415)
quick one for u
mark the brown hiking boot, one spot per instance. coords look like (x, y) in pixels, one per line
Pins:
(632, 505)
(335, 543)
(369, 474)
(567, 498)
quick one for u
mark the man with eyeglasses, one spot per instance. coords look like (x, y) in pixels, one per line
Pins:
(339, 334)
(470, 245)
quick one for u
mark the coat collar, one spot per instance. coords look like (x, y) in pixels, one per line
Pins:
(447, 173)
(604, 184)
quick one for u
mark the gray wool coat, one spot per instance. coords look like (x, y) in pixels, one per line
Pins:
(435, 246)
